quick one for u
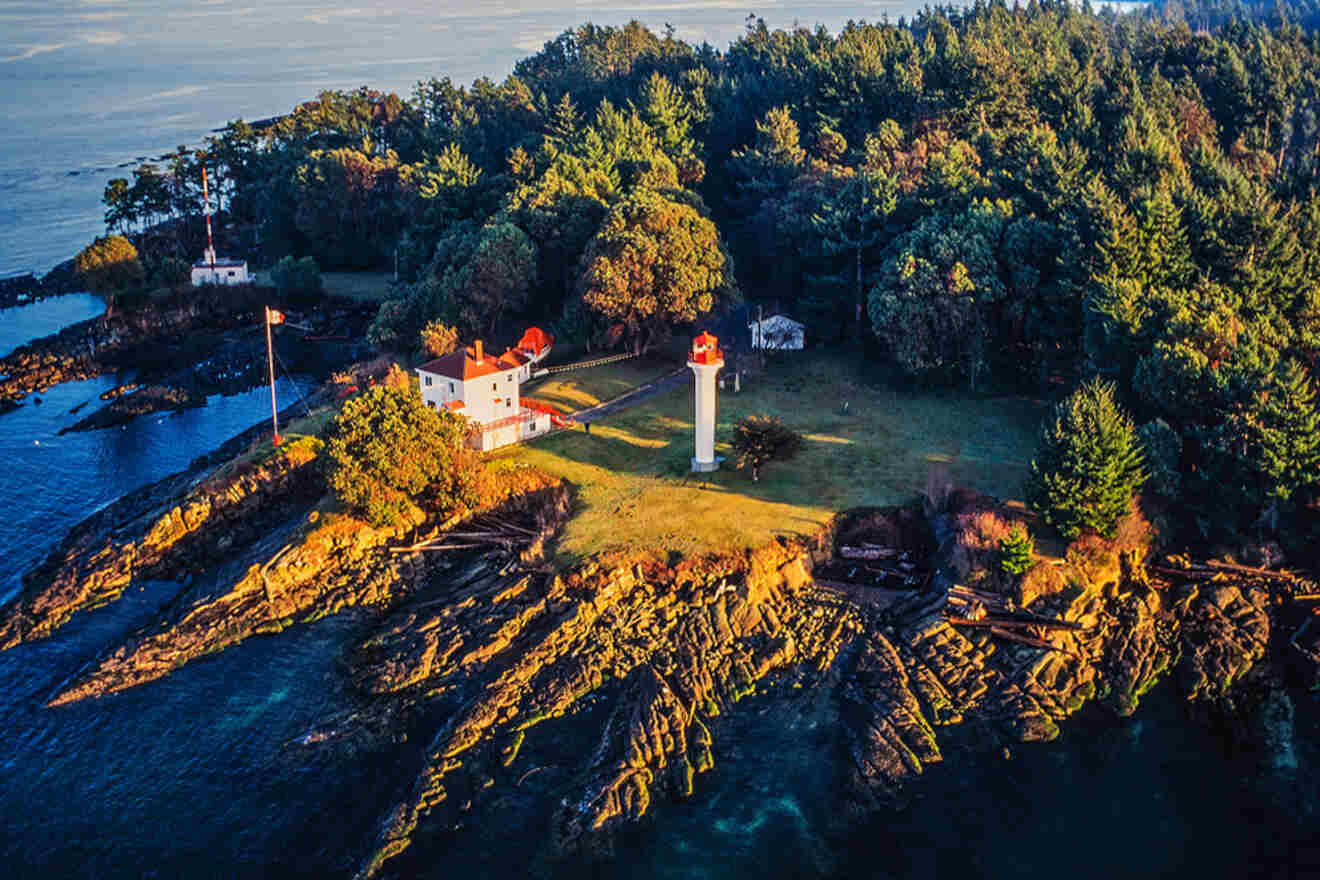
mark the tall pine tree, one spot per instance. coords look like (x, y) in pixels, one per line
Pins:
(1089, 463)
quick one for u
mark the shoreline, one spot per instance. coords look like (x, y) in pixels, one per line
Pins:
(674, 654)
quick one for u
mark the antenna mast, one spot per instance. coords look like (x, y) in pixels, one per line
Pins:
(206, 209)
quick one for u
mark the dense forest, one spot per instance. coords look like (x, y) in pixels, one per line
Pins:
(986, 197)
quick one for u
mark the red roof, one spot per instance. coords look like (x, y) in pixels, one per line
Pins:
(455, 404)
(512, 359)
(462, 364)
(535, 340)
(709, 356)
(705, 339)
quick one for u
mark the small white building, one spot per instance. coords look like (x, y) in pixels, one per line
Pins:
(777, 333)
(484, 389)
(211, 269)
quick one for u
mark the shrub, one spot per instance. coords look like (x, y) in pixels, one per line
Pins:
(759, 440)
(292, 277)
(1016, 552)
(110, 265)
(396, 377)
(388, 451)
(1089, 464)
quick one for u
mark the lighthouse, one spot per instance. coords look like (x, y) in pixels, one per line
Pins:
(706, 359)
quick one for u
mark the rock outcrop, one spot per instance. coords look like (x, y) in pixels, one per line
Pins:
(333, 562)
(632, 670)
(672, 652)
(180, 525)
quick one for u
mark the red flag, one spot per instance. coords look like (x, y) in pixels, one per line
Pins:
(274, 317)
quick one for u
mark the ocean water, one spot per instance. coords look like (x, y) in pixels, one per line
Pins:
(191, 776)
(89, 86)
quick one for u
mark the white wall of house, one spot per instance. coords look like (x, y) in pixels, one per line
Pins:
(485, 399)
(223, 274)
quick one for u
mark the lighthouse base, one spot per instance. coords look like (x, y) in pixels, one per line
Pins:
(705, 467)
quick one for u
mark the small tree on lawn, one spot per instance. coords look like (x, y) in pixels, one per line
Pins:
(762, 439)
(387, 451)
(1016, 552)
(1089, 464)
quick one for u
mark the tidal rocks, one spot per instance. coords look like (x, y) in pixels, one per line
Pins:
(177, 526)
(333, 562)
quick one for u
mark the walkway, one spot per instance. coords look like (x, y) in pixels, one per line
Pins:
(629, 399)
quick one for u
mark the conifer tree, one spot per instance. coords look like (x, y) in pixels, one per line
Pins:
(1089, 463)
(1287, 428)
(852, 227)
(1016, 552)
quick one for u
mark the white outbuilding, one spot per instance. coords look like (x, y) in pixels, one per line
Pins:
(211, 269)
(777, 333)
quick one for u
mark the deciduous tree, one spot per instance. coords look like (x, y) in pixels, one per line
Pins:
(655, 262)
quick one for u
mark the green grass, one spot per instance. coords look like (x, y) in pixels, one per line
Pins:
(365, 286)
(635, 491)
(581, 389)
(313, 424)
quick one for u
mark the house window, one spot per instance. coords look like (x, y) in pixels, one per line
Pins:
(509, 377)
(431, 404)
(451, 387)
(508, 401)
(494, 386)
(428, 381)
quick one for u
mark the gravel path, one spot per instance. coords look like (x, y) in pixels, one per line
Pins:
(631, 398)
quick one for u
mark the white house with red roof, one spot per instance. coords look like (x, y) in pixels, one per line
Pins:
(483, 389)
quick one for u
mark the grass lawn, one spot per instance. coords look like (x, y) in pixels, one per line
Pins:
(635, 491)
(580, 389)
(365, 286)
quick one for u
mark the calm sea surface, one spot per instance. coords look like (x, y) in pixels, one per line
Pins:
(189, 776)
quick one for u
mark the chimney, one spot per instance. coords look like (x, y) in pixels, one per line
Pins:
(476, 348)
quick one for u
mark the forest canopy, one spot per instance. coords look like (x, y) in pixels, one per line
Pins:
(995, 196)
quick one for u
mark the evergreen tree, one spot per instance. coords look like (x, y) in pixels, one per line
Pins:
(655, 262)
(1017, 552)
(759, 440)
(109, 266)
(1089, 463)
(1287, 434)
(852, 227)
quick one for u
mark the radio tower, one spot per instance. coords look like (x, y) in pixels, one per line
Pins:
(206, 209)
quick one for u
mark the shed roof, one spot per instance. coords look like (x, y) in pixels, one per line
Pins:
(535, 340)
(779, 321)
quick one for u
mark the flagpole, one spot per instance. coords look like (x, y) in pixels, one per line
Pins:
(270, 361)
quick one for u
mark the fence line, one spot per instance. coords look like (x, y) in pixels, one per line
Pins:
(582, 365)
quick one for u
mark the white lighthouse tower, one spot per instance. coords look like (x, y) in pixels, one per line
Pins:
(706, 359)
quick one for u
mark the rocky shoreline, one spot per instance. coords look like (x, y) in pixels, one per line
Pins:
(25, 289)
(180, 352)
(634, 667)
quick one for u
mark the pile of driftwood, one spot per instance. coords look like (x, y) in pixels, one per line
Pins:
(872, 565)
(476, 533)
(1185, 569)
(1292, 586)
(978, 609)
